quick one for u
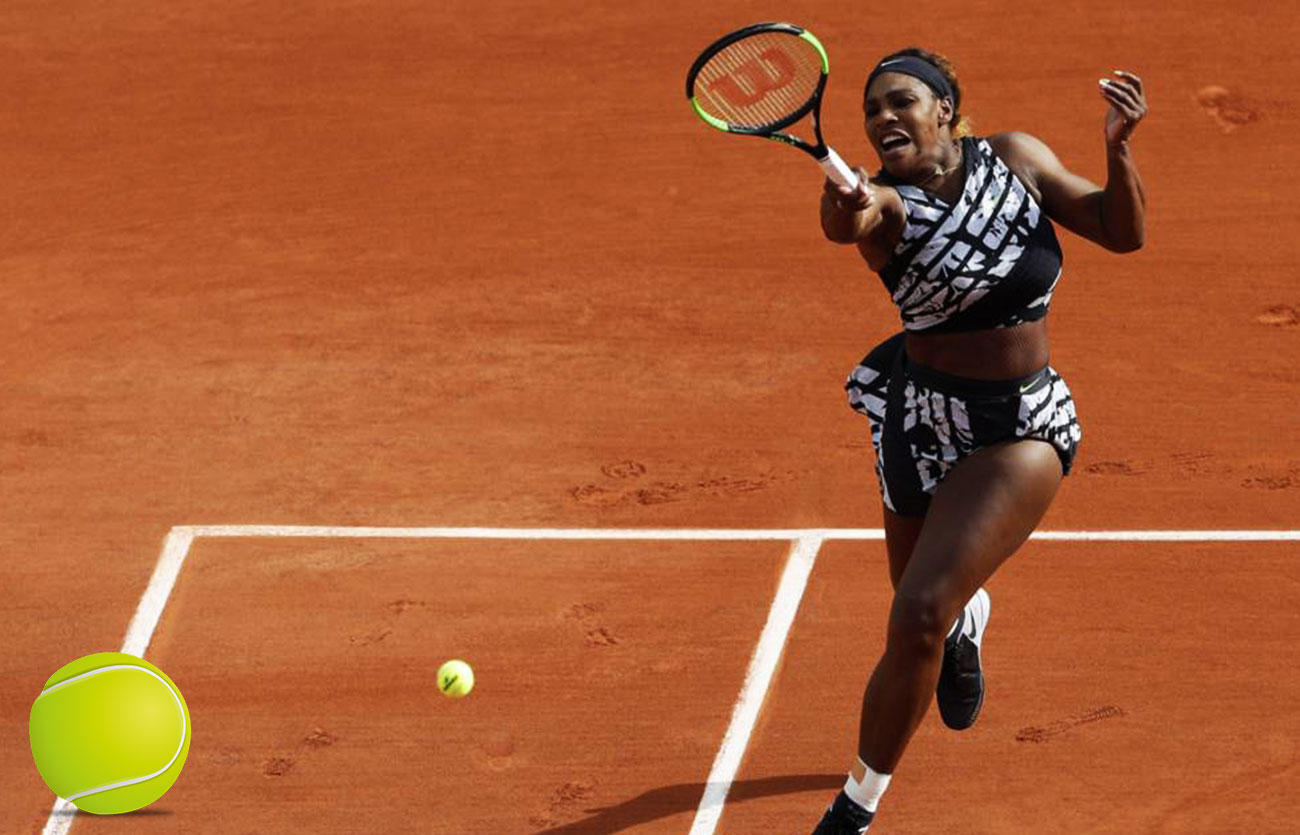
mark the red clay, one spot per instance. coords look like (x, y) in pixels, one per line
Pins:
(478, 264)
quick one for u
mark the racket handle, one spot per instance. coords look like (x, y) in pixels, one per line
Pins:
(838, 170)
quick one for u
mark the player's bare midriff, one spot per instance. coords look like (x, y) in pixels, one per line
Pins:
(993, 354)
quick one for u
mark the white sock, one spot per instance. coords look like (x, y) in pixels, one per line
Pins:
(867, 791)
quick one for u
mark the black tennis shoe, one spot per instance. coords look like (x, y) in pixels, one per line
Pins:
(844, 817)
(961, 679)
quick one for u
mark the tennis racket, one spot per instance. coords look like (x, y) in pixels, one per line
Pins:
(762, 79)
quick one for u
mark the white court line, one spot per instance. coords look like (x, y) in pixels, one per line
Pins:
(680, 534)
(707, 534)
(175, 548)
(60, 820)
(757, 680)
(177, 545)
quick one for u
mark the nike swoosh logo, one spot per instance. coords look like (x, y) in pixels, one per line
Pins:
(1027, 386)
(890, 61)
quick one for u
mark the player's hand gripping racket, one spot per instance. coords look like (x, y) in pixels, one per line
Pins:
(761, 79)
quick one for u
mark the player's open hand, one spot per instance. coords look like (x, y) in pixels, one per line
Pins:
(851, 200)
(1128, 105)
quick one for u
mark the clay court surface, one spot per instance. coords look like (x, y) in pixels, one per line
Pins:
(409, 265)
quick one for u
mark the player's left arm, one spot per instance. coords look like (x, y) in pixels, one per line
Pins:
(1114, 216)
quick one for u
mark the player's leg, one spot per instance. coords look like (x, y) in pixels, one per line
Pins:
(984, 510)
(851, 813)
(961, 681)
(901, 533)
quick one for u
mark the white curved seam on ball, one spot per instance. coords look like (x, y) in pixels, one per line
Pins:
(179, 708)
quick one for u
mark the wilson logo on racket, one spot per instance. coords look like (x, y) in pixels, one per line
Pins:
(770, 71)
(762, 79)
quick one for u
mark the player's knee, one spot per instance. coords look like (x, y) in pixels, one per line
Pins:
(918, 622)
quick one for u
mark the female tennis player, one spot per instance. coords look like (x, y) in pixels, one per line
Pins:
(972, 429)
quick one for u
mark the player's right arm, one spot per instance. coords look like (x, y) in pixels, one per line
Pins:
(870, 216)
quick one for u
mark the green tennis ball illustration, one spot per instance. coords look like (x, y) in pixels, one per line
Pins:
(109, 733)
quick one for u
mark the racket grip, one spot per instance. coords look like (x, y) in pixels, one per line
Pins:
(838, 170)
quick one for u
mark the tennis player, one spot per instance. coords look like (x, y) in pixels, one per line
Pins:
(973, 430)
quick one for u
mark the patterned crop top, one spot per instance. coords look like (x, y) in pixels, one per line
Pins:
(990, 261)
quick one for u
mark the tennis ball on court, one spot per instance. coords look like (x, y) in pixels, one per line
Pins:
(109, 732)
(455, 679)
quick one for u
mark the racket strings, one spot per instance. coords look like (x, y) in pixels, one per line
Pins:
(760, 80)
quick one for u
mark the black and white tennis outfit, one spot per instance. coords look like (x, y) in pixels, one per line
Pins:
(989, 261)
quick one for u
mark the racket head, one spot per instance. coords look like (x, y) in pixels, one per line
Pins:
(759, 79)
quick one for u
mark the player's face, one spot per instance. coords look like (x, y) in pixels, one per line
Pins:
(903, 118)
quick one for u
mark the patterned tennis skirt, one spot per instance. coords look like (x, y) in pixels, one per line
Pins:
(923, 421)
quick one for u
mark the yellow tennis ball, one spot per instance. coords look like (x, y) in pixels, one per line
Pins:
(455, 679)
(109, 732)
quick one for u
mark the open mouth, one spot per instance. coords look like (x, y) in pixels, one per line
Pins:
(893, 141)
